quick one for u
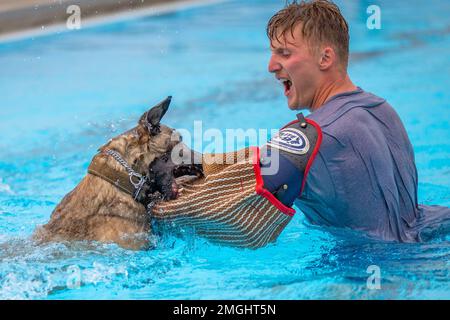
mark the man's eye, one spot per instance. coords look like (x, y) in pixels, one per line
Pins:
(285, 53)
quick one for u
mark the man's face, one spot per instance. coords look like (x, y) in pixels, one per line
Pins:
(294, 64)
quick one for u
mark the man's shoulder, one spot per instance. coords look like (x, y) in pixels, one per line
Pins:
(359, 120)
(346, 107)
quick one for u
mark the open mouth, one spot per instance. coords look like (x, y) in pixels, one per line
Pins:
(167, 178)
(188, 170)
(184, 173)
(287, 86)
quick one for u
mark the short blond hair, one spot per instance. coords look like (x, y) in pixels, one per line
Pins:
(321, 23)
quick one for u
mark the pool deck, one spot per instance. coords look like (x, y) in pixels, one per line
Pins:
(20, 18)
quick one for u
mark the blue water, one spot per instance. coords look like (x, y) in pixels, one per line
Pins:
(63, 95)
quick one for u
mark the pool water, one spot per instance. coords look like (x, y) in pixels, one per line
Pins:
(63, 95)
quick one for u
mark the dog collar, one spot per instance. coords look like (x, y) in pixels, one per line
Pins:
(130, 182)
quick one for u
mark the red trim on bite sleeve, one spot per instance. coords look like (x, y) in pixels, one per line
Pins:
(314, 153)
(259, 188)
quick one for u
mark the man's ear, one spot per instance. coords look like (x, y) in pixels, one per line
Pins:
(152, 117)
(327, 58)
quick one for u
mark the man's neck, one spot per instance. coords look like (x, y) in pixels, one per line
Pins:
(330, 89)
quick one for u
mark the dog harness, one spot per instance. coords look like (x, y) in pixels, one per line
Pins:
(231, 204)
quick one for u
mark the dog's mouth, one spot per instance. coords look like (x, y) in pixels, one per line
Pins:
(182, 174)
(187, 170)
(168, 177)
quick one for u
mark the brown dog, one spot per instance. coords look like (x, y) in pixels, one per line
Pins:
(109, 204)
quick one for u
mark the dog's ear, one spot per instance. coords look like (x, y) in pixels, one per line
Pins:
(152, 117)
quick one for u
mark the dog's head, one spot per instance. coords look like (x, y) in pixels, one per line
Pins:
(149, 149)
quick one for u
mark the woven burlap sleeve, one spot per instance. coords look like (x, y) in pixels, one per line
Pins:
(226, 206)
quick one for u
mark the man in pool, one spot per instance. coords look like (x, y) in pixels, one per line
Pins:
(349, 163)
(364, 176)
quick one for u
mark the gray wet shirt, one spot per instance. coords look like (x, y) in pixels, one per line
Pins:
(364, 176)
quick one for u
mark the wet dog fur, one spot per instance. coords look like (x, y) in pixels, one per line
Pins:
(97, 210)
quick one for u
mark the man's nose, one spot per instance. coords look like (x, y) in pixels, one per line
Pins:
(274, 65)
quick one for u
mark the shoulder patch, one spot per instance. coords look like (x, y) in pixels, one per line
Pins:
(290, 140)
